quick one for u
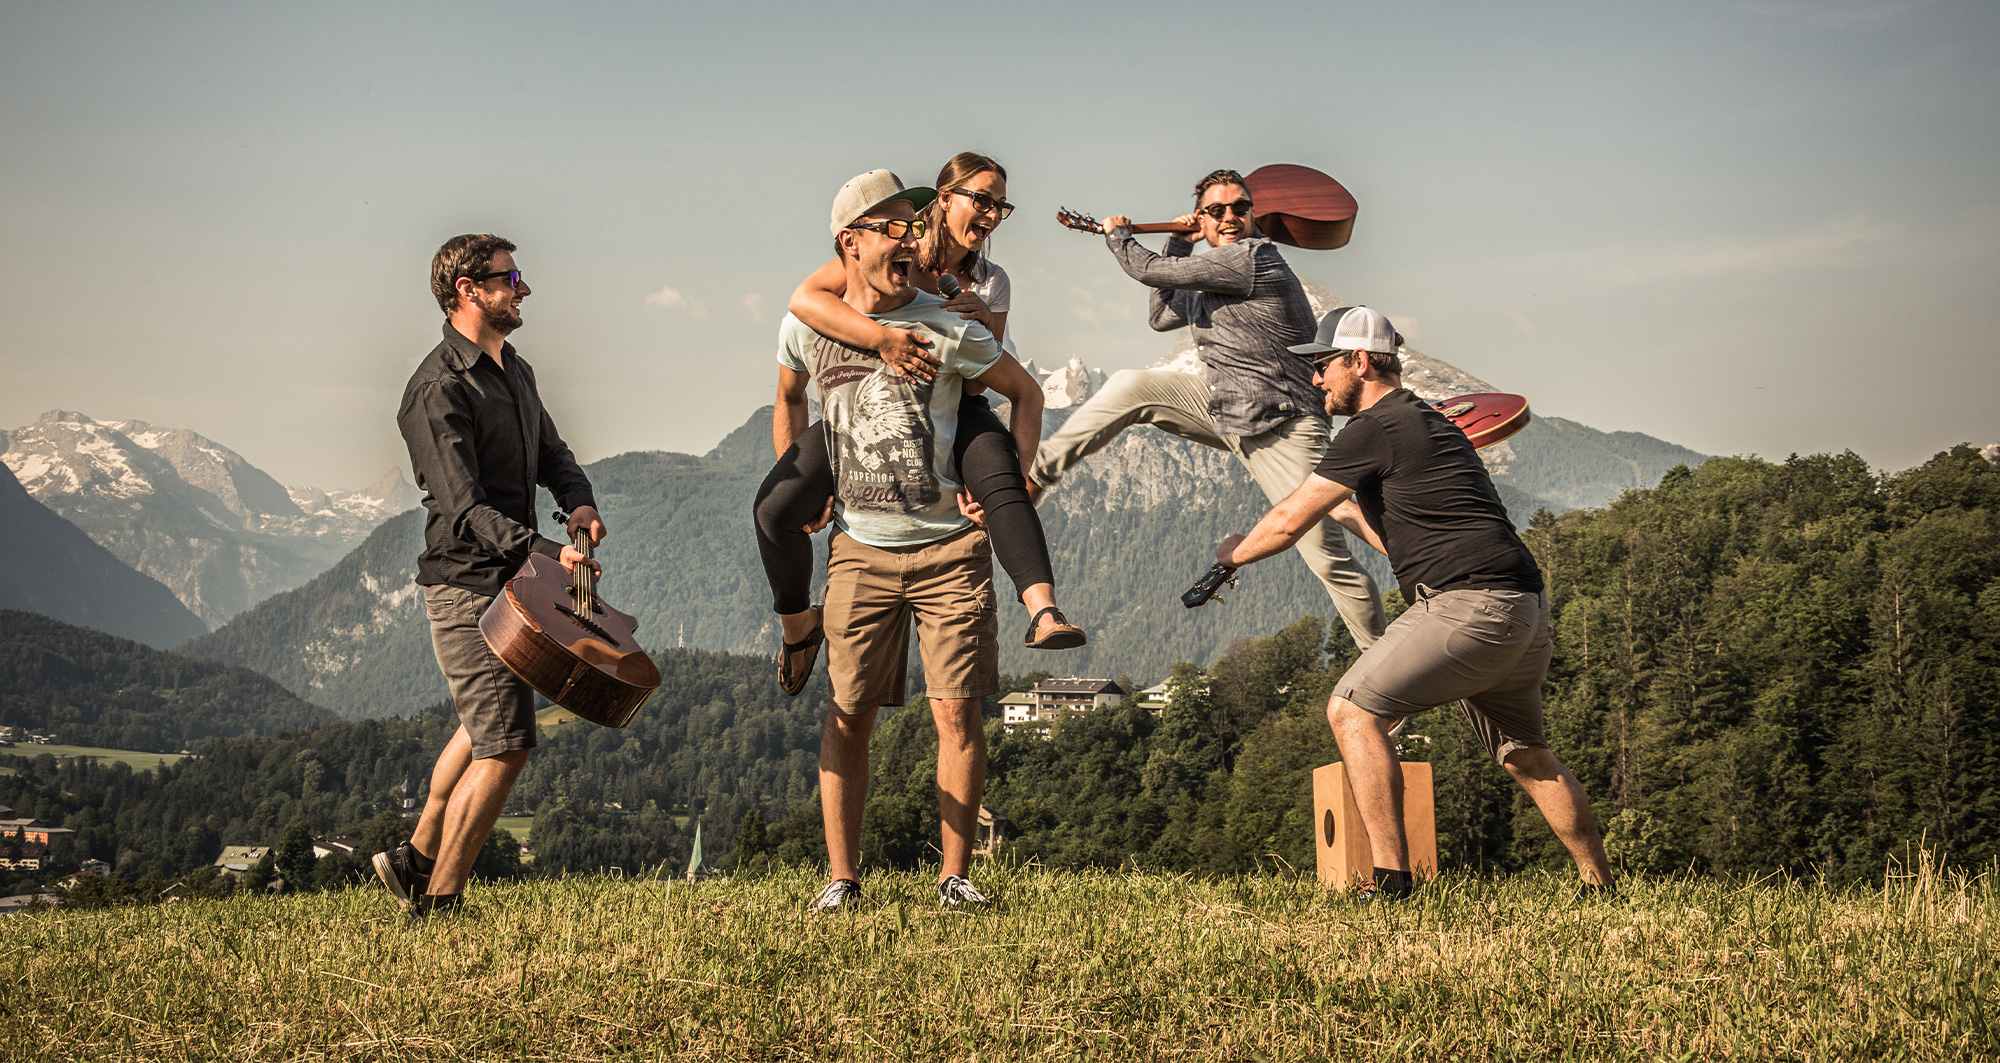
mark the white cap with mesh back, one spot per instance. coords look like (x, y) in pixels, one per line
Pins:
(1351, 328)
(859, 197)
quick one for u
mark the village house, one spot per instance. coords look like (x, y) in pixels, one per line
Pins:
(29, 832)
(240, 858)
(1051, 698)
(334, 843)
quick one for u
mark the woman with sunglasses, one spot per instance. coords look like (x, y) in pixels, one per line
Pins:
(794, 498)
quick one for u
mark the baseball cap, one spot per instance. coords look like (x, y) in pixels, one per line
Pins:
(860, 196)
(1352, 328)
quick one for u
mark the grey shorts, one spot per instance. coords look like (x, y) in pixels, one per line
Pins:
(495, 706)
(1486, 649)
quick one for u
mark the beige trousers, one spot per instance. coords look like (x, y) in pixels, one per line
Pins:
(1279, 460)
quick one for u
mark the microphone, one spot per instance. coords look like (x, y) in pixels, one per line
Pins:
(948, 284)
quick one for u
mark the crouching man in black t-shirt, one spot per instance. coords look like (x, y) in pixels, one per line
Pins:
(1477, 629)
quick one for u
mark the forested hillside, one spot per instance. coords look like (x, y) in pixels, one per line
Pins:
(353, 639)
(95, 689)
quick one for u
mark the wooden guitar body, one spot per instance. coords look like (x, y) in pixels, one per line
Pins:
(1300, 206)
(1486, 417)
(584, 658)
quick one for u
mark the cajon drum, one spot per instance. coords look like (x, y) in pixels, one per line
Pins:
(1345, 860)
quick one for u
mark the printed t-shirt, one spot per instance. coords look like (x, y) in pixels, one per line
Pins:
(889, 438)
(1423, 487)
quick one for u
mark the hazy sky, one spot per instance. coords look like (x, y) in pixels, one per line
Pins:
(1746, 228)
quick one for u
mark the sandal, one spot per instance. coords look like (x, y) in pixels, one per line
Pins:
(1065, 636)
(792, 684)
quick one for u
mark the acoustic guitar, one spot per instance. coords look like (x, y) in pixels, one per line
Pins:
(1294, 205)
(550, 627)
(1486, 417)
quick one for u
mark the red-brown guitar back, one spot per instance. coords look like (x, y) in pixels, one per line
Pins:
(571, 646)
(1486, 417)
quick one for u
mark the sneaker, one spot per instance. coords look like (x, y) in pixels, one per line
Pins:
(1590, 891)
(955, 892)
(429, 906)
(397, 869)
(838, 894)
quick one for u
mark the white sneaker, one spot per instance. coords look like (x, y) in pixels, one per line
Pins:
(956, 892)
(838, 894)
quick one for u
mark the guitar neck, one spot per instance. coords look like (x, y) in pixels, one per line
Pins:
(1163, 227)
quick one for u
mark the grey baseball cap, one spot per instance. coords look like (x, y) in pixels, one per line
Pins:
(860, 196)
(1351, 328)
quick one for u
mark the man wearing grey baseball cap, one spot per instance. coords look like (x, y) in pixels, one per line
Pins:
(1477, 630)
(905, 551)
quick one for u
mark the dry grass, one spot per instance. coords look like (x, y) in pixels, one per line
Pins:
(1071, 966)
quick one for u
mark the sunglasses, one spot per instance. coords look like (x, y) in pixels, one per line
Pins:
(1321, 361)
(984, 203)
(513, 277)
(1214, 210)
(895, 228)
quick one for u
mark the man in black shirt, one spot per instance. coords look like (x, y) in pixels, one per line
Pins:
(1477, 630)
(479, 442)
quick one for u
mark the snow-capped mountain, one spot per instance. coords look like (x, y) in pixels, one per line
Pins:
(221, 533)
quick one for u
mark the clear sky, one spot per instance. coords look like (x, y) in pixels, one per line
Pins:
(1746, 228)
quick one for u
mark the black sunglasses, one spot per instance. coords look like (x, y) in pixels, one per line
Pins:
(1214, 210)
(513, 277)
(894, 228)
(984, 203)
(1321, 361)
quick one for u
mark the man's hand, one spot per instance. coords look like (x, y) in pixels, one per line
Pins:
(909, 352)
(586, 518)
(970, 509)
(1226, 553)
(571, 557)
(825, 517)
(1114, 222)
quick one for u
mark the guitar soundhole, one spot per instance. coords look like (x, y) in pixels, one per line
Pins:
(585, 623)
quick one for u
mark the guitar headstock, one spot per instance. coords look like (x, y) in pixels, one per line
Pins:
(1079, 222)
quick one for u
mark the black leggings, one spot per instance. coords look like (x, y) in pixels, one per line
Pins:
(795, 494)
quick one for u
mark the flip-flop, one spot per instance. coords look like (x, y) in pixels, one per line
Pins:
(1065, 636)
(792, 684)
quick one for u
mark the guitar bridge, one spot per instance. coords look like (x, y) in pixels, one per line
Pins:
(585, 622)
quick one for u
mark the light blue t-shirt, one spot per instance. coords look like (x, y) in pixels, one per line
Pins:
(890, 438)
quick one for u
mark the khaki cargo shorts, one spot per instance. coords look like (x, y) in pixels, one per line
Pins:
(1488, 650)
(495, 706)
(873, 594)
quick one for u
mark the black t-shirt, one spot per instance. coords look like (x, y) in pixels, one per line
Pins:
(1425, 490)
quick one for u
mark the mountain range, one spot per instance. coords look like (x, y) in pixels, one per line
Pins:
(1129, 530)
(57, 571)
(220, 533)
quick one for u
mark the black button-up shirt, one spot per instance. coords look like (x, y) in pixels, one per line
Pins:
(479, 442)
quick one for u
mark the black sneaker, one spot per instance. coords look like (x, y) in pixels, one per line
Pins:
(430, 906)
(1593, 891)
(956, 892)
(839, 894)
(397, 869)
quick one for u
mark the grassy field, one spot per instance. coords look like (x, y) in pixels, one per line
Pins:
(1122, 966)
(138, 761)
(518, 826)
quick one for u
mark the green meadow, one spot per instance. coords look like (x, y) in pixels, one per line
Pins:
(1113, 965)
(136, 760)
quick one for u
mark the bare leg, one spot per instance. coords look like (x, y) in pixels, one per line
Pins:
(961, 778)
(1556, 791)
(470, 814)
(450, 767)
(843, 787)
(1375, 778)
